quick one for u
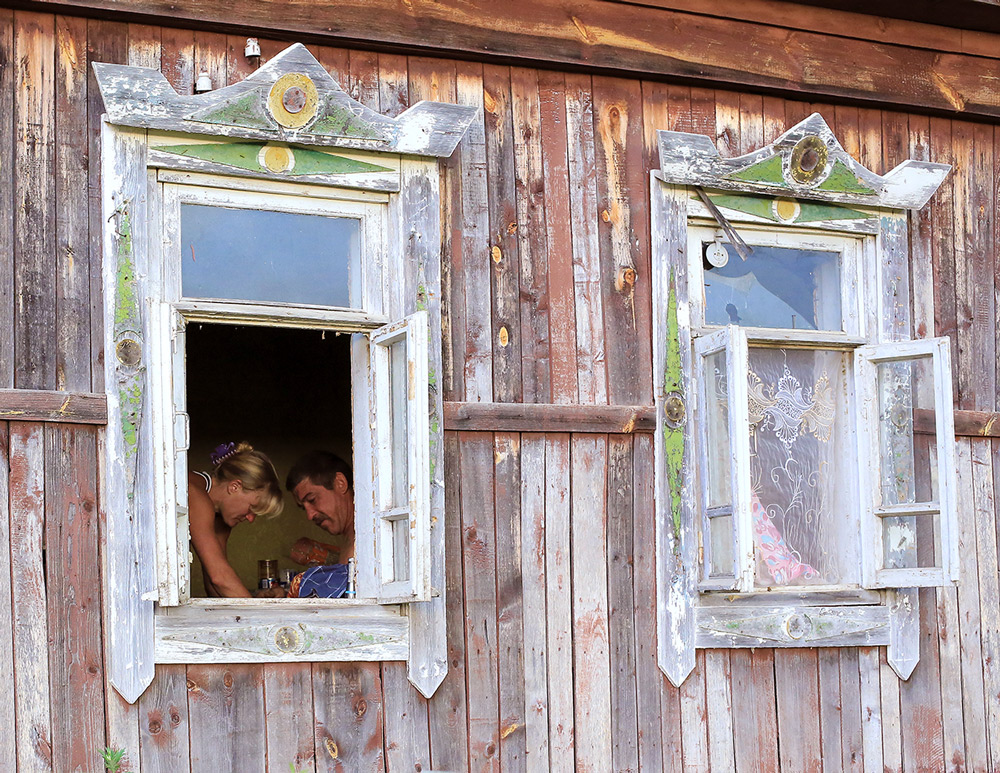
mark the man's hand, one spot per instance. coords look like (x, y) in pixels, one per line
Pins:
(270, 593)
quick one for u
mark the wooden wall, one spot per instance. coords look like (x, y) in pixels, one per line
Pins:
(550, 536)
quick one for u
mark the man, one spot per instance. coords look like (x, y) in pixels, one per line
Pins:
(322, 485)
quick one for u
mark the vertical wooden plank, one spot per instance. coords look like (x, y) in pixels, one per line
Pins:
(973, 695)
(337, 62)
(407, 742)
(479, 567)
(288, 699)
(226, 709)
(503, 242)
(34, 163)
(530, 186)
(592, 382)
(164, 725)
(983, 273)
(364, 78)
(394, 96)
(347, 701)
(533, 523)
(850, 701)
(558, 594)
(797, 689)
(238, 66)
(830, 709)
(8, 716)
(472, 255)
(447, 710)
(625, 279)
(72, 303)
(106, 42)
(210, 55)
(558, 236)
(755, 723)
(920, 696)
(621, 610)
(985, 517)
(177, 59)
(921, 239)
(76, 674)
(892, 752)
(965, 243)
(719, 705)
(591, 655)
(33, 725)
(7, 178)
(871, 709)
(509, 589)
(694, 717)
(144, 46)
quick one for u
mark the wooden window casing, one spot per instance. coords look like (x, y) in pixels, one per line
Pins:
(768, 198)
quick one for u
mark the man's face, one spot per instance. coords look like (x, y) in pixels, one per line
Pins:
(329, 509)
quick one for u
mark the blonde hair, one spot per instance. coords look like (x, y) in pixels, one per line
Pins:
(255, 471)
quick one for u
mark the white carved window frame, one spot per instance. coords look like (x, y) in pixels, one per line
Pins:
(697, 610)
(385, 172)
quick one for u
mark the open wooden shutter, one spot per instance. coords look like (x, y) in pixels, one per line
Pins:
(907, 463)
(401, 481)
(720, 363)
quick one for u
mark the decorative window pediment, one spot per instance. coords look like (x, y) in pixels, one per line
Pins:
(277, 204)
(804, 479)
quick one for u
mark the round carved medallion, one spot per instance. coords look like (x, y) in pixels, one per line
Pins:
(808, 162)
(293, 100)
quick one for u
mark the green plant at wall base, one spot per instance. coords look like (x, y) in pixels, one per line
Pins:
(114, 759)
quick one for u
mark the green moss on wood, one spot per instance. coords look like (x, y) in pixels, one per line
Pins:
(339, 121)
(246, 111)
(126, 299)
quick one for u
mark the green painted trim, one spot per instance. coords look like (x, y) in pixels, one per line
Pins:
(243, 155)
(246, 111)
(126, 300)
(673, 437)
(766, 171)
(843, 180)
(809, 212)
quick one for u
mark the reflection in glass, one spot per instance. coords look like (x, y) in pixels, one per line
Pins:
(912, 541)
(776, 287)
(721, 546)
(278, 257)
(907, 431)
(804, 529)
(719, 481)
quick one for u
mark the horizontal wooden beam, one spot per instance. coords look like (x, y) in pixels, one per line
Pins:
(63, 407)
(625, 419)
(544, 417)
(630, 39)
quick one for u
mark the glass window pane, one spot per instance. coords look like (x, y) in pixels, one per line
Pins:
(907, 431)
(720, 546)
(397, 423)
(775, 287)
(278, 257)
(719, 458)
(801, 465)
(912, 541)
(401, 549)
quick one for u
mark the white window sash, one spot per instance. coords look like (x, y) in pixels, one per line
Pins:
(733, 341)
(390, 539)
(875, 573)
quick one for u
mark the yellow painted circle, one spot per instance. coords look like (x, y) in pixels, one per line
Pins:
(293, 100)
(276, 158)
(786, 210)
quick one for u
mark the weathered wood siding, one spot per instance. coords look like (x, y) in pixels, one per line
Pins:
(550, 535)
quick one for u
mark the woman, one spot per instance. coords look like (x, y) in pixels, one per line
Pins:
(242, 486)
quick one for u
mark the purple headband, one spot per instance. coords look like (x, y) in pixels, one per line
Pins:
(222, 452)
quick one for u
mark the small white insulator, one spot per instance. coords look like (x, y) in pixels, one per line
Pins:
(203, 84)
(252, 49)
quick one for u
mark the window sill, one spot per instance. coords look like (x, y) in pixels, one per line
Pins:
(279, 631)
